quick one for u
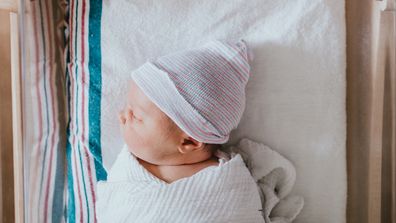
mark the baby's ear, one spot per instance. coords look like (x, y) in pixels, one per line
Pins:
(190, 144)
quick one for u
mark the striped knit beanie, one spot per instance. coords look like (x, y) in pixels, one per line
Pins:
(201, 89)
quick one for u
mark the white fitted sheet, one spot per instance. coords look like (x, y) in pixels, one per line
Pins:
(295, 95)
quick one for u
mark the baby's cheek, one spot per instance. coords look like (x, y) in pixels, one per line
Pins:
(137, 144)
(126, 131)
(132, 137)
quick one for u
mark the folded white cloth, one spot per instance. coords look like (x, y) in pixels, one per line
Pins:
(224, 193)
(275, 175)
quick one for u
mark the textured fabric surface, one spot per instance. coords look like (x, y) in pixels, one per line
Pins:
(295, 96)
(44, 114)
(224, 193)
(84, 87)
(202, 90)
(275, 176)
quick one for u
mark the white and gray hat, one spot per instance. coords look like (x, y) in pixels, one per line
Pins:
(201, 89)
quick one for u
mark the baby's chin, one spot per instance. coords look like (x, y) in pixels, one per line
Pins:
(135, 153)
(144, 157)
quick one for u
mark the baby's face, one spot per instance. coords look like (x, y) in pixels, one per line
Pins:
(149, 133)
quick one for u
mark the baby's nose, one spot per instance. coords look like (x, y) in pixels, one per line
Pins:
(121, 117)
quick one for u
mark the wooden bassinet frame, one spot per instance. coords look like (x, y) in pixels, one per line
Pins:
(371, 112)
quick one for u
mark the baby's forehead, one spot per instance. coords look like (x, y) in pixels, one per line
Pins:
(138, 99)
(132, 87)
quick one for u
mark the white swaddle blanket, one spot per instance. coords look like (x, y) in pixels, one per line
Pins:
(224, 193)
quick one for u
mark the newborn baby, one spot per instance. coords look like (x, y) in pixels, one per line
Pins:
(180, 109)
(158, 143)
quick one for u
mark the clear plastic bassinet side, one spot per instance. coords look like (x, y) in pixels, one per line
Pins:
(42, 31)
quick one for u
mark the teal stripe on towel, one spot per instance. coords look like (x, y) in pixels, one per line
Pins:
(95, 87)
(71, 208)
(94, 105)
(57, 202)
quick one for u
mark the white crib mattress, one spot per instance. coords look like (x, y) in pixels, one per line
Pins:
(295, 95)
